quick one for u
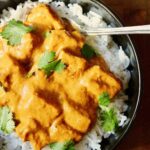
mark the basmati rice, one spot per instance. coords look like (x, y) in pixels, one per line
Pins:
(115, 57)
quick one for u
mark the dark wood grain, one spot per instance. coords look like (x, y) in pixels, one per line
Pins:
(137, 12)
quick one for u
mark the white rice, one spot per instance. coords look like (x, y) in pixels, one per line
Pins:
(115, 57)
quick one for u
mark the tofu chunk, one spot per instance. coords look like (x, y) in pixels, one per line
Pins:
(43, 18)
(31, 104)
(24, 49)
(75, 119)
(27, 131)
(63, 40)
(59, 131)
(75, 64)
(98, 81)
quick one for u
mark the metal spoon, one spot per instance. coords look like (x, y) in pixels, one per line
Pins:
(143, 29)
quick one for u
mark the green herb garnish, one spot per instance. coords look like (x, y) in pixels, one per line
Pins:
(60, 66)
(14, 31)
(104, 99)
(46, 58)
(108, 114)
(68, 145)
(7, 124)
(46, 34)
(109, 120)
(88, 52)
(48, 63)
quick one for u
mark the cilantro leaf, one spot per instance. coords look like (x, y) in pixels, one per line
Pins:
(14, 31)
(88, 52)
(60, 66)
(55, 65)
(46, 34)
(68, 145)
(104, 99)
(46, 58)
(108, 113)
(49, 64)
(7, 124)
(50, 67)
(109, 120)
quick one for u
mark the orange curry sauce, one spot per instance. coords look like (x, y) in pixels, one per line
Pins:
(62, 106)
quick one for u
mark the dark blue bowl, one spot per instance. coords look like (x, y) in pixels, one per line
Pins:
(134, 89)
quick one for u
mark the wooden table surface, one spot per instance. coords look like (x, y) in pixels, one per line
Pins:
(137, 12)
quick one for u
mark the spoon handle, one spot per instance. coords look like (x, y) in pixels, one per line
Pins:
(144, 29)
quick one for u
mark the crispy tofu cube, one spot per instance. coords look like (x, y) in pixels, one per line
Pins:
(63, 40)
(59, 131)
(75, 64)
(27, 131)
(31, 104)
(43, 17)
(75, 119)
(98, 81)
(24, 49)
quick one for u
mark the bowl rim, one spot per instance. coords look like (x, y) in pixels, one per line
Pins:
(117, 19)
(130, 123)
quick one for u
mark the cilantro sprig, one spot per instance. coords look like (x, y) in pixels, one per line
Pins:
(68, 145)
(48, 63)
(7, 124)
(109, 120)
(104, 99)
(14, 31)
(46, 34)
(88, 52)
(108, 114)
